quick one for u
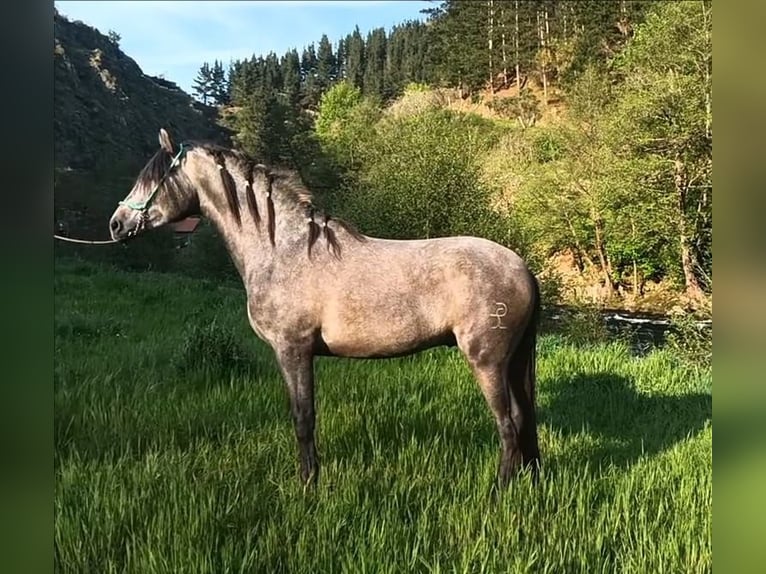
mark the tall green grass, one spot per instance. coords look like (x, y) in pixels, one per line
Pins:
(174, 451)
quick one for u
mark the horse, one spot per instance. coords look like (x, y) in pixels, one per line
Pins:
(316, 286)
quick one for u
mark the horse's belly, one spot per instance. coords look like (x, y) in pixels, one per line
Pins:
(381, 341)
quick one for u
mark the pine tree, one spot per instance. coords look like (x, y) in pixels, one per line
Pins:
(248, 125)
(219, 90)
(355, 59)
(460, 43)
(203, 83)
(416, 63)
(236, 88)
(275, 136)
(340, 61)
(326, 67)
(375, 61)
(600, 29)
(310, 91)
(291, 77)
(272, 74)
(392, 70)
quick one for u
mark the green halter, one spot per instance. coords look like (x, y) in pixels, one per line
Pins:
(144, 205)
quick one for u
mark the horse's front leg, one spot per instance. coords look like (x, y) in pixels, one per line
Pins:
(297, 368)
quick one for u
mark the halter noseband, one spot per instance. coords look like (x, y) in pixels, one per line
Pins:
(142, 206)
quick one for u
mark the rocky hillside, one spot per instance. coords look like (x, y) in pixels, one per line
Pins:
(107, 111)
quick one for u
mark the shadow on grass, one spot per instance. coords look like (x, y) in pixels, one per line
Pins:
(621, 424)
(626, 423)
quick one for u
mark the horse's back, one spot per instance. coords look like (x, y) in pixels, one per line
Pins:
(449, 261)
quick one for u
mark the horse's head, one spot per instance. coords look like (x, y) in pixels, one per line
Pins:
(162, 193)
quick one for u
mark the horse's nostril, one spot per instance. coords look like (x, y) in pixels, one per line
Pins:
(115, 225)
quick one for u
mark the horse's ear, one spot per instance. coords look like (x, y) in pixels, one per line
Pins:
(166, 142)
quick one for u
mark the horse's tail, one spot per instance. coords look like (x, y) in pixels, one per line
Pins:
(521, 380)
(531, 335)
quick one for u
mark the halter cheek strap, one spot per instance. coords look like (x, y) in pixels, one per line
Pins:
(144, 205)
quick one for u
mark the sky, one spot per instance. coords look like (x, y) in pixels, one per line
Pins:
(174, 38)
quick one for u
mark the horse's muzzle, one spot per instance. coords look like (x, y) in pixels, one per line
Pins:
(125, 223)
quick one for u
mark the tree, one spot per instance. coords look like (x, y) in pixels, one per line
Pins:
(340, 61)
(276, 131)
(344, 123)
(203, 83)
(460, 44)
(573, 191)
(416, 64)
(664, 117)
(375, 61)
(114, 38)
(354, 60)
(291, 77)
(272, 74)
(595, 31)
(335, 107)
(248, 124)
(219, 90)
(392, 69)
(243, 79)
(567, 178)
(625, 182)
(326, 66)
(309, 87)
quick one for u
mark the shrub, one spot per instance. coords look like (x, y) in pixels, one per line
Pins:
(210, 346)
(582, 324)
(416, 99)
(419, 177)
(525, 107)
(335, 107)
(691, 338)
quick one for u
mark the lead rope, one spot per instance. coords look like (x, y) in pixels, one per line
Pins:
(85, 241)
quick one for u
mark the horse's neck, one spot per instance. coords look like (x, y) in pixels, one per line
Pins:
(249, 249)
(249, 245)
(248, 242)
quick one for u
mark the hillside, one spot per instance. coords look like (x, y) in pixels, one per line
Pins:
(107, 111)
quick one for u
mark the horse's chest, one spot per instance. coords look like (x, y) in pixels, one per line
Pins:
(277, 320)
(260, 324)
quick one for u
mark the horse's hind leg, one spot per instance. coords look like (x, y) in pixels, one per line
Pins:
(491, 379)
(523, 407)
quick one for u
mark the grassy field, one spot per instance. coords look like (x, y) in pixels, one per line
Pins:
(174, 451)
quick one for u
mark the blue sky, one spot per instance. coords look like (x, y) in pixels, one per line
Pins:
(174, 38)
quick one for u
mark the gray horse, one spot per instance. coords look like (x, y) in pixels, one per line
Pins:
(315, 286)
